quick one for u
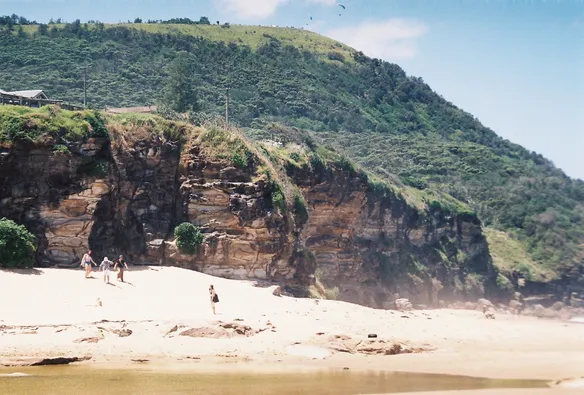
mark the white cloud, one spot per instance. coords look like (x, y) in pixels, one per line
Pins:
(259, 9)
(390, 40)
(325, 2)
(250, 9)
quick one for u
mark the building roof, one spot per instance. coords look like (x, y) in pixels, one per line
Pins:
(144, 109)
(31, 94)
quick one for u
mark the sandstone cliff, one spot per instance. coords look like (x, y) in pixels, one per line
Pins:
(371, 246)
(125, 193)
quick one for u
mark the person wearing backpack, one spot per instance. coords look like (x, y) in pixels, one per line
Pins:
(214, 298)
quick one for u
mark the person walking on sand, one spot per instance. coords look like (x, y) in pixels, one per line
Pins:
(214, 298)
(86, 263)
(105, 266)
(123, 266)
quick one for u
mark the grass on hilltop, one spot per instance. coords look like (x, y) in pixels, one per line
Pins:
(48, 123)
(253, 36)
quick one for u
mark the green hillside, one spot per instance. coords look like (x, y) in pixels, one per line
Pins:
(252, 36)
(391, 124)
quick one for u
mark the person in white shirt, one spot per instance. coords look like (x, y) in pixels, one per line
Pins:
(106, 266)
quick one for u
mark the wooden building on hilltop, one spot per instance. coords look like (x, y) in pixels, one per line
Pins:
(32, 98)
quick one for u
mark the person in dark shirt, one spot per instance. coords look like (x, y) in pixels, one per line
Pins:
(122, 265)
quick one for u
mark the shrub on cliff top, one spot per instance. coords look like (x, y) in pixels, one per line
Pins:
(188, 237)
(35, 124)
(221, 143)
(127, 129)
(17, 245)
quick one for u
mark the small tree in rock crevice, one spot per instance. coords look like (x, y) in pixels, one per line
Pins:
(17, 245)
(188, 237)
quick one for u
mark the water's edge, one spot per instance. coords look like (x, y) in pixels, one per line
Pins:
(75, 379)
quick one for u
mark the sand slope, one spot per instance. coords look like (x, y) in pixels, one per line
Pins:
(60, 305)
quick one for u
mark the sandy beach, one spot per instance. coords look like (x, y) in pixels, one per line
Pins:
(55, 312)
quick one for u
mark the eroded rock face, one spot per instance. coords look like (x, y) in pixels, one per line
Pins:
(54, 195)
(143, 189)
(375, 248)
(126, 197)
(141, 212)
(246, 237)
(69, 224)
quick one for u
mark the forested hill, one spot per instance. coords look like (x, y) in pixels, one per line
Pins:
(392, 125)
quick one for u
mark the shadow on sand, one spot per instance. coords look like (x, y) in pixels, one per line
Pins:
(139, 268)
(31, 271)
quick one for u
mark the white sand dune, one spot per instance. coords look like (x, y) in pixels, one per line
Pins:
(156, 299)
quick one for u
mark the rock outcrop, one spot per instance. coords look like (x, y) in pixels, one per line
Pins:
(55, 195)
(127, 193)
(246, 236)
(371, 246)
(403, 305)
(40, 361)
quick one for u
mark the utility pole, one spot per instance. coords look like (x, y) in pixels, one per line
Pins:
(227, 107)
(85, 86)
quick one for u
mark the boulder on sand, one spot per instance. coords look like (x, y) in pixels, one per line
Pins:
(403, 304)
(42, 361)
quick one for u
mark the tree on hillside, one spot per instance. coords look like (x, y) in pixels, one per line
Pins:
(21, 32)
(138, 20)
(43, 29)
(180, 86)
(204, 21)
(17, 245)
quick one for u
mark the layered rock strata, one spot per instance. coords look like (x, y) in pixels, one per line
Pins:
(127, 197)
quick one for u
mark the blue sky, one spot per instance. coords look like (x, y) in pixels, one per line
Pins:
(517, 65)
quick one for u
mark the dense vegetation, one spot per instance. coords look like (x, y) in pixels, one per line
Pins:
(391, 124)
(188, 237)
(23, 123)
(17, 245)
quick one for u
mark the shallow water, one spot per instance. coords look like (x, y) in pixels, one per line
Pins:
(75, 380)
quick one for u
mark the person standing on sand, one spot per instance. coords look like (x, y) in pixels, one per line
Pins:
(123, 265)
(86, 263)
(105, 266)
(214, 297)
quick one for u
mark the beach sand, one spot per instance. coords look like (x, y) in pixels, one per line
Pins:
(531, 391)
(44, 312)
